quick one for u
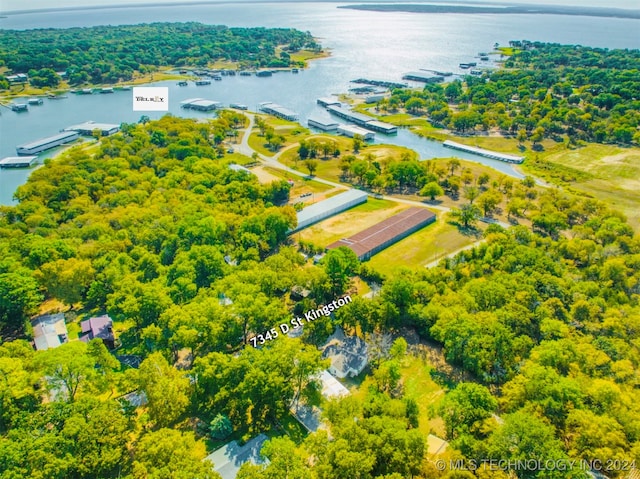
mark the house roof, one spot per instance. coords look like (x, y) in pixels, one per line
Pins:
(346, 352)
(97, 327)
(331, 387)
(228, 459)
(47, 330)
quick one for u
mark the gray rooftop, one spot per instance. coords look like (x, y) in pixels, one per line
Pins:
(228, 459)
(49, 139)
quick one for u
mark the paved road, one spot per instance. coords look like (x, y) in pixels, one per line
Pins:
(272, 161)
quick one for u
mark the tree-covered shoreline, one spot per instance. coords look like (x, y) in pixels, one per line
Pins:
(109, 54)
(542, 91)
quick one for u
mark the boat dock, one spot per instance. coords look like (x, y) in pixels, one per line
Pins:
(324, 125)
(35, 101)
(437, 72)
(19, 107)
(88, 127)
(351, 131)
(327, 101)
(200, 104)
(424, 77)
(18, 161)
(47, 143)
(382, 83)
(482, 152)
(238, 106)
(363, 120)
(279, 111)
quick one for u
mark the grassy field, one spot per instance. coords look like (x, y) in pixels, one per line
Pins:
(611, 174)
(350, 222)
(424, 246)
(292, 133)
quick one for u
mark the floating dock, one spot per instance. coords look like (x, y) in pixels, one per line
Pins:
(35, 101)
(424, 77)
(363, 120)
(18, 107)
(88, 127)
(279, 111)
(324, 125)
(351, 131)
(482, 152)
(328, 101)
(47, 143)
(18, 161)
(200, 104)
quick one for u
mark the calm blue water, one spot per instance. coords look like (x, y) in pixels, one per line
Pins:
(363, 44)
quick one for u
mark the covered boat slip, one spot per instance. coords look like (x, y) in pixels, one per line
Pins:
(47, 143)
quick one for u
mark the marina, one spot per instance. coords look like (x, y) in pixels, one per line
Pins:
(47, 143)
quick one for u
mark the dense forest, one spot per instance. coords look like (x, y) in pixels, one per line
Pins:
(543, 91)
(108, 54)
(191, 259)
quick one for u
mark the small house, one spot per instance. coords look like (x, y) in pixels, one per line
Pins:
(49, 331)
(99, 327)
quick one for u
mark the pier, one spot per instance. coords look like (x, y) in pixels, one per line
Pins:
(18, 161)
(363, 120)
(482, 152)
(47, 143)
(424, 77)
(383, 83)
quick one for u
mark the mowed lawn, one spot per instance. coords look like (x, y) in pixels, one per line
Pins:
(422, 247)
(616, 175)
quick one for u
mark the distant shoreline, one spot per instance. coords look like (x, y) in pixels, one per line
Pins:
(518, 9)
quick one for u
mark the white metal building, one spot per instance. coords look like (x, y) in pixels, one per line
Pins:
(352, 130)
(329, 207)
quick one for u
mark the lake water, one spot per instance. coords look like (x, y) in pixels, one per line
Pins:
(374, 45)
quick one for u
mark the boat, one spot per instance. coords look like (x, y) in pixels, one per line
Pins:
(19, 107)
(35, 101)
(464, 66)
(203, 82)
(264, 73)
(86, 91)
(294, 70)
(51, 96)
(245, 73)
(106, 90)
(182, 83)
(126, 87)
(217, 77)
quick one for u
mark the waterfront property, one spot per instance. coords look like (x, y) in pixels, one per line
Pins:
(327, 101)
(482, 152)
(279, 111)
(324, 125)
(382, 235)
(200, 104)
(49, 331)
(18, 161)
(352, 130)
(329, 207)
(47, 143)
(88, 127)
(423, 76)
